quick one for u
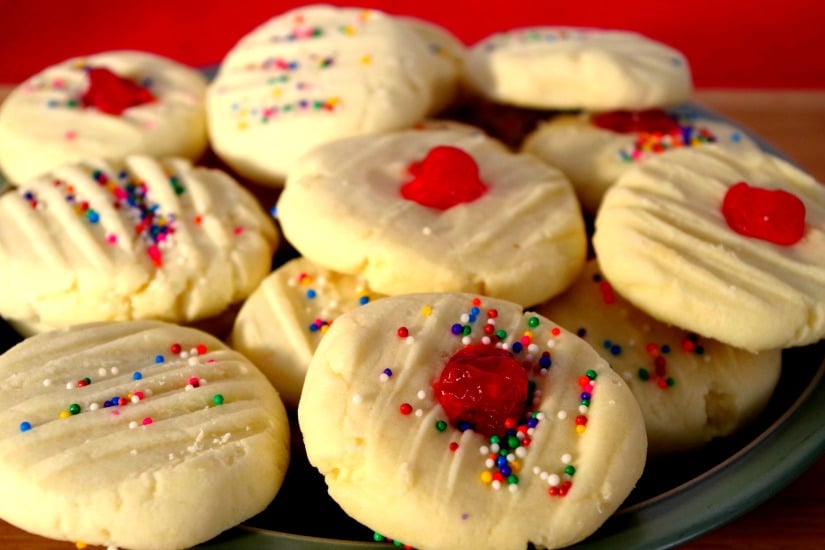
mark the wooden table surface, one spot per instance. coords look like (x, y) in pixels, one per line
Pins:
(793, 121)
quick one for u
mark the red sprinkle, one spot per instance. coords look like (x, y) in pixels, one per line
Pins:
(402, 332)
(405, 408)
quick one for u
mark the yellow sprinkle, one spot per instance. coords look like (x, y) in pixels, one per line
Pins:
(80, 545)
(427, 311)
(65, 414)
(486, 477)
(348, 30)
(515, 466)
(242, 126)
(366, 60)
(580, 429)
(324, 329)
(277, 92)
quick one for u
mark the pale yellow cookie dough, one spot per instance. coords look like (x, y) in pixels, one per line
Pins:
(690, 389)
(43, 123)
(664, 244)
(395, 462)
(522, 240)
(548, 67)
(140, 239)
(593, 158)
(318, 73)
(281, 323)
(136, 434)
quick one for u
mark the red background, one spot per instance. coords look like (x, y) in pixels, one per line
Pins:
(729, 43)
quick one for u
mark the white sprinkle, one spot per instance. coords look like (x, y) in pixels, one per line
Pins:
(489, 463)
(465, 318)
(511, 457)
(133, 452)
(553, 480)
(421, 394)
(189, 387)
(357, 399)
(486, 340)
(539, 472)
(583, 409)
(491, 321)
(521, 452)
(410, 339)
(184, 355)
(426, 230)
(562, 415)
(70, 385)
(495, 448)
(171, 456)
(133, 424)
(192, 361)
(566, 458)
(101, 371)
(135, 399)
(47, 382)
(193, 351)
(94, 406)
(114, 370)
(419, 413)
(383, 377)
(551, 343)
(466, 340)
(513, 488)
(533, 348)
(496, 484)
(505, 345)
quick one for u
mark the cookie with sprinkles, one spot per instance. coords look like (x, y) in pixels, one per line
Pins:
(282, 322)
(577, 68)
(594, 149)
(143, 238)
(318, 73)
(136, 434)
(109, 105)
(436, 210)
(724, 244)
(460, 421)
(690, 389)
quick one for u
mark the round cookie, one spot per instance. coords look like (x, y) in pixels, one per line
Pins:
(319, 73)
(139, 239)
(136, 434)
(547, 431)
(107, 105)
(690, 389)
(593, 150)
(281, 323)
(549, 67)
(510, 226)
(693, 236)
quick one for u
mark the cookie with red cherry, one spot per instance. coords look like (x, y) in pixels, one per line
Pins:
(107, 105)
(726, 245)
(595, 149)
(436, 210)
(455, 421)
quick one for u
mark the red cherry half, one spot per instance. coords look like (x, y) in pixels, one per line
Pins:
(772, 215)
(113, 94)
(446, 177)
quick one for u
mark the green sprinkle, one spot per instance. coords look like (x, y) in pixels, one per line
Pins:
(440, 425)
(670, 381)
(74, 408)
(644, 374)
(217, 399)
(533, 322)
(512, 479)
(466, 330)
(501, 334)
(591, 374)
(570, 470)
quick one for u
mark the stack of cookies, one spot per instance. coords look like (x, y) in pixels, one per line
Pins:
(471, 327)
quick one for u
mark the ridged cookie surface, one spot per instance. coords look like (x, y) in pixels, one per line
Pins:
(136, 434)
(376, 427)
(664, 243)
(140, 239)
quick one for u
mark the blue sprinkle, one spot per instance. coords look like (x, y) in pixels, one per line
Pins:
(472, 318)
(475, 311)
(311, 294)
(456, 329)
(615, 349)
(586, 396)
(532, 422)
(665, 349)
(517, 347)
(501, 461)
(607, 344)
(363, 300)
(92, 216)
(158, 358)
(464, 426)
(137, 375)
(545, 361)
(25, 426)
(388, 371)
(736, 137)
(313, 327)
(505, 470)
(274, 211)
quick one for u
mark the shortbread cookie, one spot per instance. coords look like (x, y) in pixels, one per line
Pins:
(107, 105)
(136, 434)
(726, 245)
(319, 73)
(140, 239)
(577, 68)
(436, 211)
(454, 421)
(593, 150)
(690, 389)
(281, 323)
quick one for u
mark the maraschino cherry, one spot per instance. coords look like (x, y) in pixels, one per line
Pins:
(446, 177)
(772, 215)
(113, 94)
(650, 121)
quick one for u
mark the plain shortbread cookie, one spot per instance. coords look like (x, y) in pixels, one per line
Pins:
(43, 123)
(664, 244)
(522, 240)
(136, 434)
(577, 68)
(393, 461)
(140, 239)
(690, 389)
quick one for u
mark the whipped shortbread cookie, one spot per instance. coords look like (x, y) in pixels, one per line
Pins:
(436, 210)
(594, 149)
(577, 68)
(140, 239)
(319, 73)
(106, 105)
(726, 245)
(690, 389)
(281, 323)
(136, 434)
(457, 421)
